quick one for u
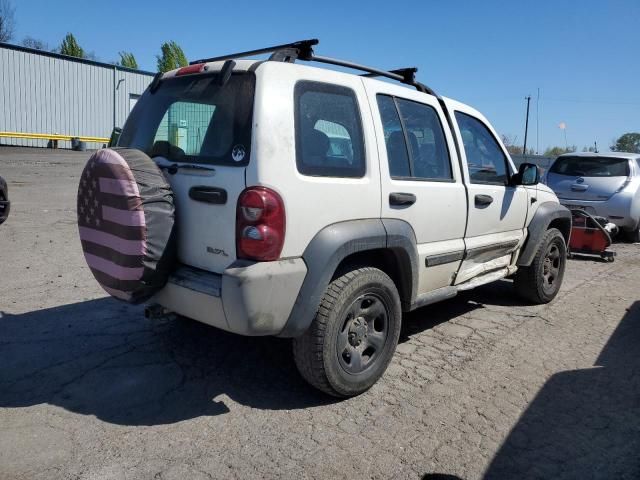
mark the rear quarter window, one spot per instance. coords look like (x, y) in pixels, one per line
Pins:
(329, 139)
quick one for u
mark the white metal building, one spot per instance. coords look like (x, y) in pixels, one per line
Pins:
(47, 93)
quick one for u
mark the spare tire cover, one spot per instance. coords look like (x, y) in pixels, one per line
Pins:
(126, 221)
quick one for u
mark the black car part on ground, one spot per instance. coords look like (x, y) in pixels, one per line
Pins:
(5, 204)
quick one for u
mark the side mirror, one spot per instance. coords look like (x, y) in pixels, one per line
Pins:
(115, 136)
(528, 175)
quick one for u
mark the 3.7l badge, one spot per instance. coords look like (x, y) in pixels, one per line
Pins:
(217, 251)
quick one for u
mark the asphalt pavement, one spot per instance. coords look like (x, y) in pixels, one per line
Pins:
(482, 386)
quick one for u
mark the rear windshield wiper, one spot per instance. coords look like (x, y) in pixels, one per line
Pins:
(173, 168)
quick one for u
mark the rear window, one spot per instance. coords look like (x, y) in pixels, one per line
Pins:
(193, 119)
(591, 167)
(329, 141)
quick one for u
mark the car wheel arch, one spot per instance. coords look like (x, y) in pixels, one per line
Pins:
(375, 242)
(548, 215)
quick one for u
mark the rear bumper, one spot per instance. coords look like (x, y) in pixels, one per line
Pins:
(247, 299)
(619, 209)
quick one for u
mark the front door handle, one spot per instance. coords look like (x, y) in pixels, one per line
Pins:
(483, 200)
(401, 199)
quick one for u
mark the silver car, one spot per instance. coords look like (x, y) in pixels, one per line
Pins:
(605, 184)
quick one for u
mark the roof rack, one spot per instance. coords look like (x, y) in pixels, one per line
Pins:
(296, 50)
(303, 50)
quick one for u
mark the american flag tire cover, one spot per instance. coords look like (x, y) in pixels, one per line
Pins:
(126, 223)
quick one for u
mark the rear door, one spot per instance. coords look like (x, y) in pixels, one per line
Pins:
(200, 134)
(420, 180)
(497, 210)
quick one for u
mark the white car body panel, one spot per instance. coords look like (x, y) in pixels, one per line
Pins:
(503, 221)
(439, 215)
(311, 203)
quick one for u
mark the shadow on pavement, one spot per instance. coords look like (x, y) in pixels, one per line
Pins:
(500, 293)
(582, 423)
(103, 358)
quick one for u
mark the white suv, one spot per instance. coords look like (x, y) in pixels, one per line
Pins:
(315, 204)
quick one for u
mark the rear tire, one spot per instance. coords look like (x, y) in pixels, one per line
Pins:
(632, 236)
(540, 282)
(353, 337)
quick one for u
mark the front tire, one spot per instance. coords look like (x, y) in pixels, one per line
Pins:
(353, 337)
(540, 282)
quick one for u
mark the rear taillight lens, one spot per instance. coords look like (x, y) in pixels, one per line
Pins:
(624, 184)
(260, 224)
(188, 70)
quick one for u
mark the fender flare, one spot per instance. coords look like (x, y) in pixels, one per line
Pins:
(331, 245)
(546, 213)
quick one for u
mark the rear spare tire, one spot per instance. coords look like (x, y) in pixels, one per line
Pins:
(126, 223)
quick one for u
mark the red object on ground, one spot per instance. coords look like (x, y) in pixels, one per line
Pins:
(589, 237)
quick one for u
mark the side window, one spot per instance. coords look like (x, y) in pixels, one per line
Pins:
(410, 123)
(394, 138)
(329, 140)
(485, 159)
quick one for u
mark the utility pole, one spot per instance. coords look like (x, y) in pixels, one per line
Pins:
(526, 126)
(538, 122)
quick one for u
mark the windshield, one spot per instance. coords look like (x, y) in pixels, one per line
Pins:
(591, 167)
(193, 119)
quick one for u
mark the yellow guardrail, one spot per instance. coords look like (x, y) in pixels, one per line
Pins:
(52, 136)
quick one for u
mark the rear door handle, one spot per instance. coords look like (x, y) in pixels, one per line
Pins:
(217, 196)
(483, 200)
(401, 199)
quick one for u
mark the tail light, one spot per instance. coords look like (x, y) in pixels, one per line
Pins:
(260, 224)
(624, 184)
(188, 70)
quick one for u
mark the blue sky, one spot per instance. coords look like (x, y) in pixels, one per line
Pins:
(582, 55)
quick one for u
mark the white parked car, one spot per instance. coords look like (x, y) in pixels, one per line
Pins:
(314, 204)
(605, 184)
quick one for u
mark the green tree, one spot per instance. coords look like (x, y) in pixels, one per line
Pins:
(172, 57)
(7, 20)
(510, 143)
(128, 60)
(555, 151)
(70, 47)
(629, 142)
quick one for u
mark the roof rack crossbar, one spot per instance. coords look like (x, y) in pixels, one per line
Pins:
(404, 75)
(408, 73)
(302, 49)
